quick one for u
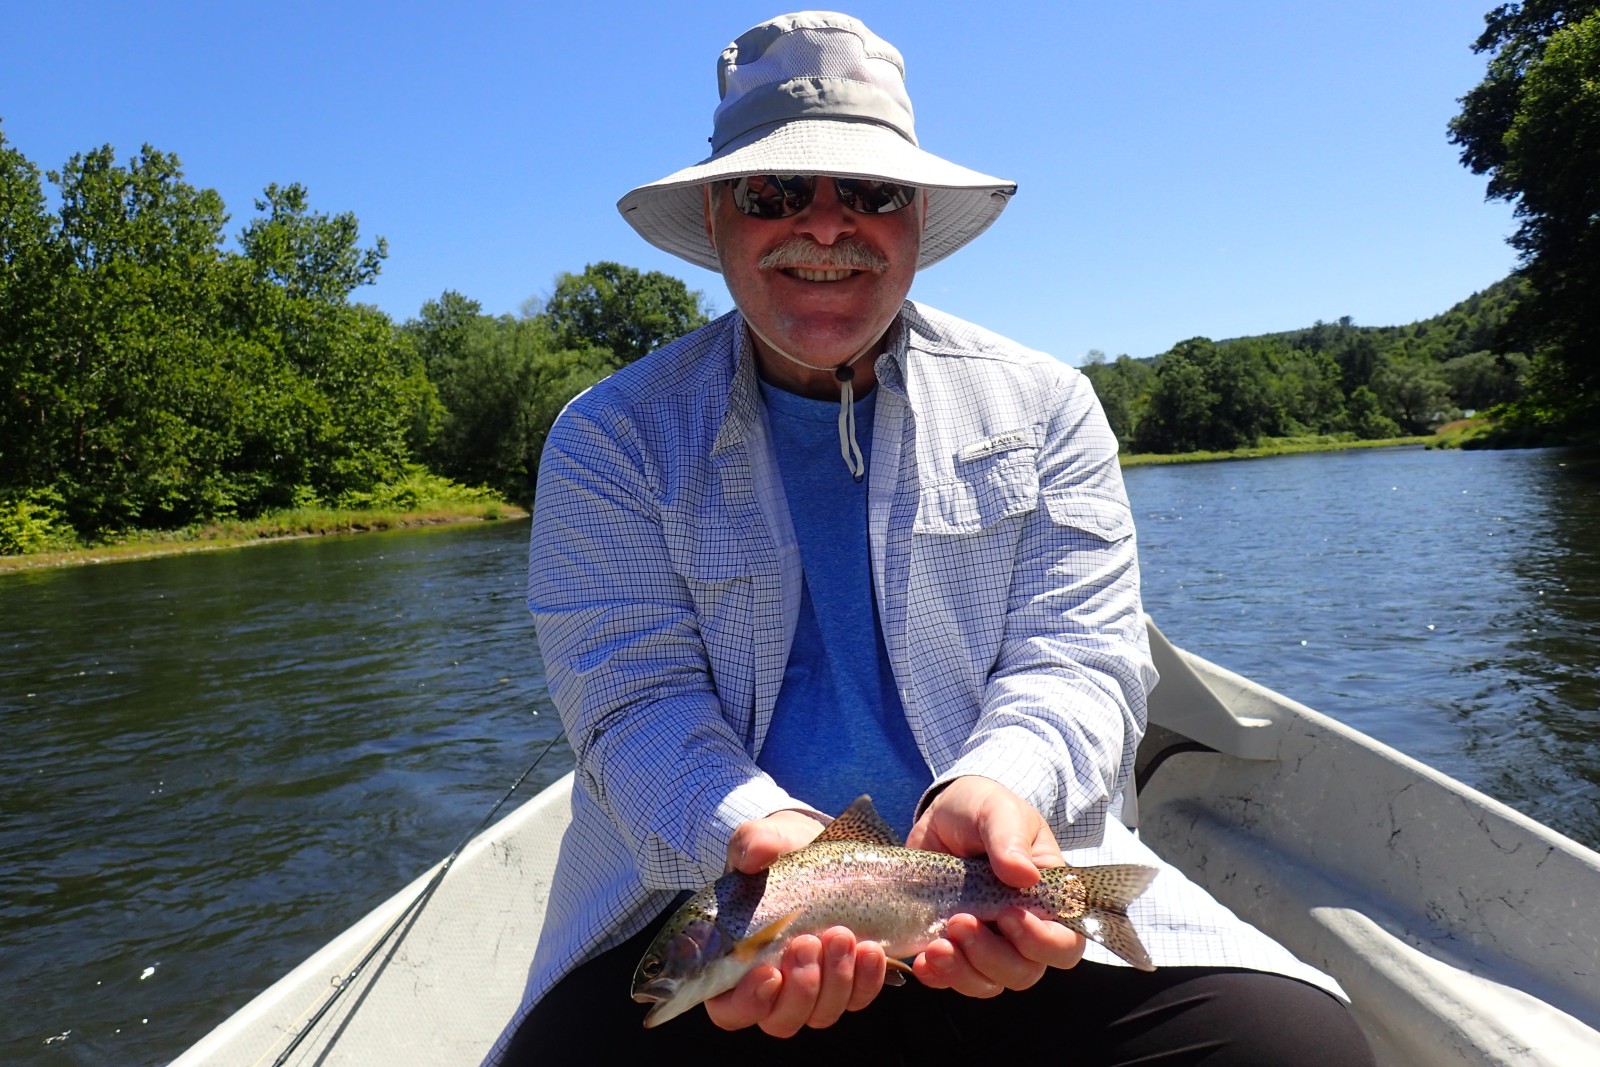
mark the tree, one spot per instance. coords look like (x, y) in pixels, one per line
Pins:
(501, 382)
(1210, 397)
(1123, 388)
(1414, 394)
(1240, 374)
(1533, 125)
(1180, 406)
(1364, 413)
(1308, 394)
(617, 307)
(151, 378)
(308, 253)
(1481, 379)
(134, 361)
(30, 266)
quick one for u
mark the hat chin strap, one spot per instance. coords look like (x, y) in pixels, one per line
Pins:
(844, 374)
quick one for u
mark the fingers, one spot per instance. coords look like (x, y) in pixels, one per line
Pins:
(976, 961)
(872, 970)
(1010, 834)
(815, 983)
(976, 816)
(801, 992)
(755, 844)
(1040, 940)
(748, 1002)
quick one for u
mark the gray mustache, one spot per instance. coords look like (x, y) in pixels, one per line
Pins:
(847, 255)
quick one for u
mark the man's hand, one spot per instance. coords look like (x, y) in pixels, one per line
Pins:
(755, 844)
(976, 816)
(817, 979)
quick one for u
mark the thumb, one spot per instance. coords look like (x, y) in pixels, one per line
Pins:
(1011, 842)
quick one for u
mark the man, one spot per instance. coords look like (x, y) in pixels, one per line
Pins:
(837, 542)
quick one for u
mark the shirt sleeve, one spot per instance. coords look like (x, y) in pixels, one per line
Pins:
(626, 664)
(1065, 703)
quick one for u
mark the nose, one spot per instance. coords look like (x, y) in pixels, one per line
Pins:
(825, 220)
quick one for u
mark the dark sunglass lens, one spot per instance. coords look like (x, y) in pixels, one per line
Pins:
(773, 196)
(874, 197)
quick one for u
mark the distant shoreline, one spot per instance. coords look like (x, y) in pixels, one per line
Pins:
(286, 526)
(1286, 447)
(293, 525)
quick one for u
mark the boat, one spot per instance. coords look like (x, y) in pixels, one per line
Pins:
(1464, 932)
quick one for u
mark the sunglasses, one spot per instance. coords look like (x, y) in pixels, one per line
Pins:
(778, 196)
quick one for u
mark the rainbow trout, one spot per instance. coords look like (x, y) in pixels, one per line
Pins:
(856, 874)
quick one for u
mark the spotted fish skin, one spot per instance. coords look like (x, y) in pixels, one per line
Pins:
(857, 875)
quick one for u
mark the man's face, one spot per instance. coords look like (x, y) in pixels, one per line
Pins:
(822, 284)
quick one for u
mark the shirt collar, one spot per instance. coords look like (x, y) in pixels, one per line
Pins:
(744, 390)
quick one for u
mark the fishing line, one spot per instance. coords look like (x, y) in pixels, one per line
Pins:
(407, 918)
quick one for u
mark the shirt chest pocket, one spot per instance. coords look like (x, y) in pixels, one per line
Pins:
(985, 492)
(704, 556)
(1006, 485)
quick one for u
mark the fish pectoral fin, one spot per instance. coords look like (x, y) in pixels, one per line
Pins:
(896, 971)
(746, 949)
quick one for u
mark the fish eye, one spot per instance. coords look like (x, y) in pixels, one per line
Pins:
(651, 967)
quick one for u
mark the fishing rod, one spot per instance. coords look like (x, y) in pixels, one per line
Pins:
(406, 918)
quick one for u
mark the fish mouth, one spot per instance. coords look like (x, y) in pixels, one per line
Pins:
(662, 1008)
(655, 992)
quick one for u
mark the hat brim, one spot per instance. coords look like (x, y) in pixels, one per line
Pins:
(962, 203)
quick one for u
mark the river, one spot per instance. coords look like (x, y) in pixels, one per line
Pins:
(214, 762)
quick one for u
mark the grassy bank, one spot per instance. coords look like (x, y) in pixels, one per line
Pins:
(276, 526)
(1277, 446)
(34, 535)
(460, 506)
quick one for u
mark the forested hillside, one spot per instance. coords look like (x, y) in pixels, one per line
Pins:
(153, 375)
(1364, 382)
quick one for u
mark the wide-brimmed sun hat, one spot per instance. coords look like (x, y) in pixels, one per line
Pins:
(815, 93)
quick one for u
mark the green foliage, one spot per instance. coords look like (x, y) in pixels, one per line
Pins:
(150, 378)
(1367, 419)
(1331, 379)
(1179, 407)
(416, 489)
(616, 307)
(1210, 397)
(1533, 126)
(32, 522)
(1124, 389)
(1414, 393)
(500, 383)
(307, 253)
(1308, 392)
(1480, 380)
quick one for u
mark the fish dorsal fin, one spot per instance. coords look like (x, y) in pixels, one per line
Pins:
(859, 822)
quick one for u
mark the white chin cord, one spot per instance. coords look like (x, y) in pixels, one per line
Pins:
(845, 374)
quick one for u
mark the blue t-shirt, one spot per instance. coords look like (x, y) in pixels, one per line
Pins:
(839, 729)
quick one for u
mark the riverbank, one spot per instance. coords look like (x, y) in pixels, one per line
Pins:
(276, 526)
(322, 522)
(1282, 446)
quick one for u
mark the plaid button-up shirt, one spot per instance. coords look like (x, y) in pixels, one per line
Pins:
(665, 584)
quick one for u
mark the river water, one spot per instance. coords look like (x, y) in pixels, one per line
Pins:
(213, 763)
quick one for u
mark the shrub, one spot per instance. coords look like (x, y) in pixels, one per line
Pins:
(31, 523)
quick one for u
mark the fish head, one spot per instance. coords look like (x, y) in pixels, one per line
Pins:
(690, 961)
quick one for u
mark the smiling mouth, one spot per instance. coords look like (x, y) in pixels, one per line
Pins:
(807, 274)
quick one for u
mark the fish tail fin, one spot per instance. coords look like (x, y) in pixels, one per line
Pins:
(1101, 897)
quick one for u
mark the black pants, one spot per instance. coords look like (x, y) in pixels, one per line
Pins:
(1090, 1015)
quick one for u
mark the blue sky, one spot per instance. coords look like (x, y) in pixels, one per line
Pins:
(1186, 168)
